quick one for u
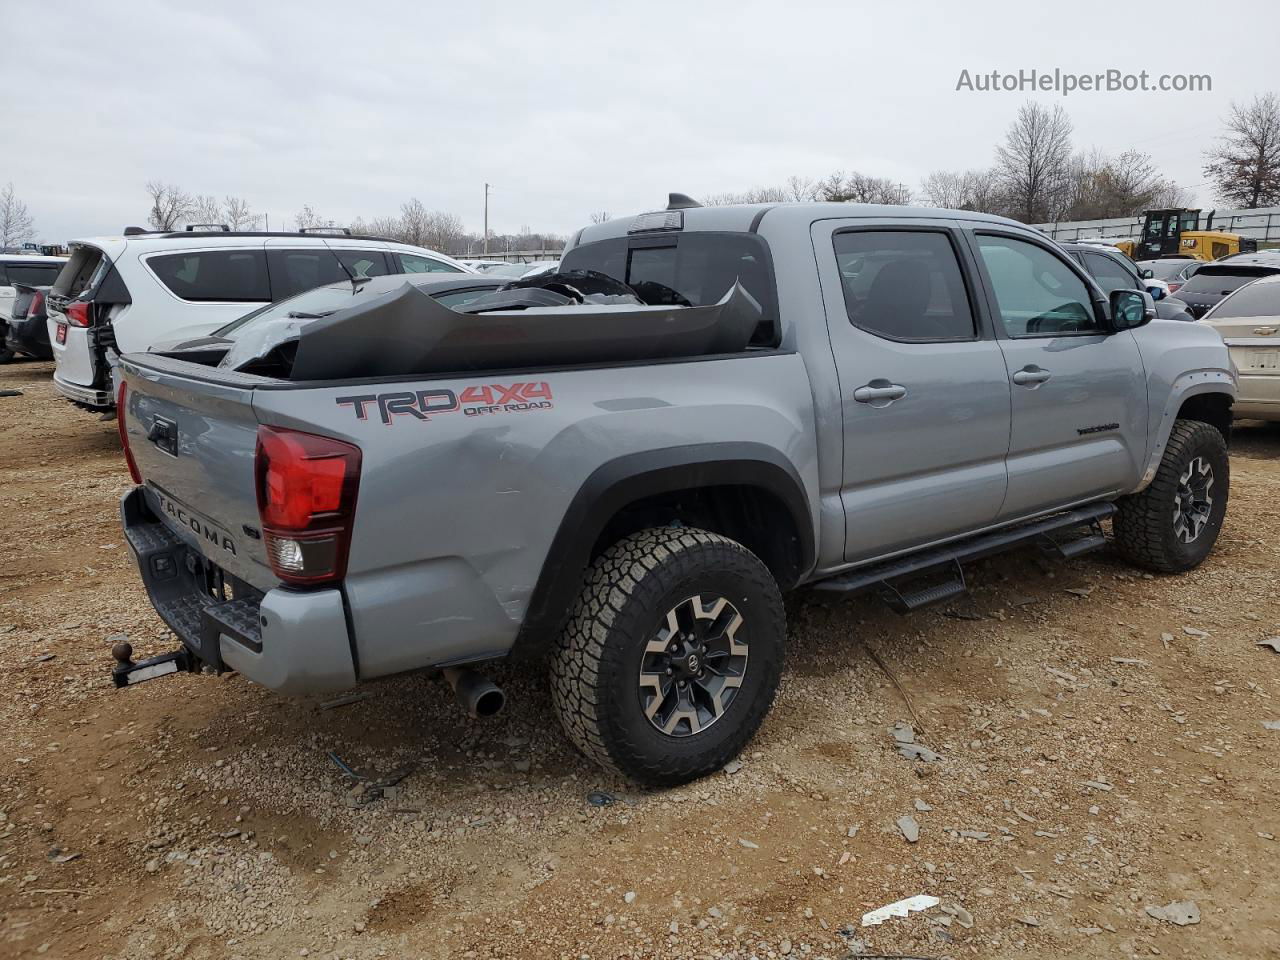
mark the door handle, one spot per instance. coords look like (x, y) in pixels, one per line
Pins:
(1031, 376)
(880, 392)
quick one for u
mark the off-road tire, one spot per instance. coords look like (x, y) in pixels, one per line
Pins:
(1144, 528)
(624, 601)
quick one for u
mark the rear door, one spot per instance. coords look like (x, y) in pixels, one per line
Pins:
(924, 392)
(75, 356)
(1079, 396)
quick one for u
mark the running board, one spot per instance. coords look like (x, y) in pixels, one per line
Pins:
(1048, 534)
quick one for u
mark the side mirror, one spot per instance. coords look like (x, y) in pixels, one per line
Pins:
(1148, 273)
(1157, 293)
(1131, 309)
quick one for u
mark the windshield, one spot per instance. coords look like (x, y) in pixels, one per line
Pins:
(1219, 281)
(1164, 269)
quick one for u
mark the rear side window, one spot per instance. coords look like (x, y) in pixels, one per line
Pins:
(1255, 300)
(689, 269)
(1217, 283)
(227, 276)
(293, 271)
(903, 285)
(35, 274)
(412, 263)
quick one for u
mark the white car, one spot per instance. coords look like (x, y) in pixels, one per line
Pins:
(34, 270)
(123, 294)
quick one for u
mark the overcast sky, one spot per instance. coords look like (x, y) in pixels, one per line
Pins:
(568, 108)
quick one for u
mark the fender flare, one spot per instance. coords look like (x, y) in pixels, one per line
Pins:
(1190, 384)
(627, 479)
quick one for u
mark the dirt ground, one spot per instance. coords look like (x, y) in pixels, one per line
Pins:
(1101, 733)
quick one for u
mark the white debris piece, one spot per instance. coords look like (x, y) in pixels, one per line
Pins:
(1180, 912)
(899, 909)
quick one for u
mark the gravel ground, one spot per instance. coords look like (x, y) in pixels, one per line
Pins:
(1100, 738)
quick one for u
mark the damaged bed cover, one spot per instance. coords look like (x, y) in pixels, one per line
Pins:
(550, 321)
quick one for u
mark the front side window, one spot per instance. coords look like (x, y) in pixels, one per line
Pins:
(1109, 274)
(412, 263)
(903, 285)
(228, 276)
(1036, 293)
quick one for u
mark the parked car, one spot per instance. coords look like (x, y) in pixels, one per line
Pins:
(26, 268)
(1174, 271)
(514, 271)
(1249, 321)
(1220, 278)
(734, 401)
(122, 294)
(1114, 271)
(27, 332)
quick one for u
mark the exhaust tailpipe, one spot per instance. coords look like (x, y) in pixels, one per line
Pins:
(479, 695)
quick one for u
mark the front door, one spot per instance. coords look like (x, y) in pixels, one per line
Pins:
(924, 391)
(1079, 394)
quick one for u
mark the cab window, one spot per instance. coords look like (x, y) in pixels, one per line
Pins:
(1036, 293)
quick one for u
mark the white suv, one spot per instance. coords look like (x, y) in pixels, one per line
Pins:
(125, 294)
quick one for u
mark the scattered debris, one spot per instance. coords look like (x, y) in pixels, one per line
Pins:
(1130, 661)
(1099, 785)
(1080, 591)
(1180, 912)
(371, 788)
(871, 651)
(601, 798)
(1271, 724)
(733, 766)
(980, 835)
(10, 393)
(1061, 675)
(922, 806)
(1029, 921)
(899, 908)
(905, 737)
(1193, 632)
(344, 700)
(1025, 817)
(910, 829)
(1272, 642)
(748, 844)
(962, 916)
(44, 658)
(629, 897)
(57, 856)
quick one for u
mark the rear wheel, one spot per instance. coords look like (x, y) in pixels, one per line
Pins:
(671, 656)
(1173, 524)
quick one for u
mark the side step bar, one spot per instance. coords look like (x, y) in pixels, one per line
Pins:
(1051, 534)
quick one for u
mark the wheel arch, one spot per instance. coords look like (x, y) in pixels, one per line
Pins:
(746, 491)
(1203, 395)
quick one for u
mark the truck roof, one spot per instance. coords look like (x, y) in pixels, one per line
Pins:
(746, 217)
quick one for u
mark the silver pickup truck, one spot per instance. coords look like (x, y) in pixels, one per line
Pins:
(620, 468)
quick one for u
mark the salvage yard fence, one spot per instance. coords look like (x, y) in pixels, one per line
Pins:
(1263, 224)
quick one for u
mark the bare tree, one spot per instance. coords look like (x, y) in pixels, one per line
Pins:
(444, 230)
(861, 188)
(754, 195)
(307, 218)
(414, 218)
(1034, 162)
(16, 224)
(801, 188)
(1244, 166)
(170, 206)
(601, 216)
(947, 188)
(238, 214)
(205, 208)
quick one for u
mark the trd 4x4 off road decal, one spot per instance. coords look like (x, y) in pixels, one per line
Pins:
(474, 401)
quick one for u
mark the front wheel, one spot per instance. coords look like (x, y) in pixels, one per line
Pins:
(671, 656)
(1173, 524)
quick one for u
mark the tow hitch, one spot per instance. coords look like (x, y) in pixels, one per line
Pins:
(126, 672)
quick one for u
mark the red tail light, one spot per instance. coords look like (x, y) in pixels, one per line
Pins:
(307, 501)
(36, 304)
(1174, 285)
(122, 397)
(77, 313)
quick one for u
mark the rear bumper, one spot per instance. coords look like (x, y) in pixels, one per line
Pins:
(1259, 398)
(81, 394)
(288, 640)
(29, 337)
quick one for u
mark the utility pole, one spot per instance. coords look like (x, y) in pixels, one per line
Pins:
(486, 219)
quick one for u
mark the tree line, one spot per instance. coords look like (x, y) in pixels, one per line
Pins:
(1037, 176)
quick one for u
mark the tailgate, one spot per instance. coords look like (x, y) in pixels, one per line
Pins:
(193, 435)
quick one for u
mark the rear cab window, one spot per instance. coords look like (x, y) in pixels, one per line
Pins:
(692, 269)
(1261, 299)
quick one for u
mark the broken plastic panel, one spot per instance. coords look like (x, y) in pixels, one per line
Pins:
(553, 322)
